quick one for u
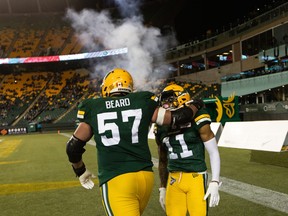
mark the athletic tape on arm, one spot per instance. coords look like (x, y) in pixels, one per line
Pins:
(160, 116)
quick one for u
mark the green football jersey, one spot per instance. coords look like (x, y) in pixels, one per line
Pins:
(120, 126)
(186, 151)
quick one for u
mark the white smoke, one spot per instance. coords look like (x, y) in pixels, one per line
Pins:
(98, 31)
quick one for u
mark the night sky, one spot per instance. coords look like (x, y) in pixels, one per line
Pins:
(196, 17)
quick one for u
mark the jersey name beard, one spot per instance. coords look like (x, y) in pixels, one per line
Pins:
(117, 103)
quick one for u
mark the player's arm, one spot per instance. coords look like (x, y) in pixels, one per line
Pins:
(180, 116)
(75, 145)
(163, 172)
(75, 149)
(163, 161)
(210, 144)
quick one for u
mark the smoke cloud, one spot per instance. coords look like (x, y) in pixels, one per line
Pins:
(98, 31)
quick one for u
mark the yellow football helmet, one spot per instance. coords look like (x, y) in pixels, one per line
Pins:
(117, 81)
(174, 96)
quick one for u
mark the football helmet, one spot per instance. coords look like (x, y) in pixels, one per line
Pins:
(117, 81)
(174, 96)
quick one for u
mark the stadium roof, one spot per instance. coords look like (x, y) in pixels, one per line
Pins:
(189, 19)
(48, 6)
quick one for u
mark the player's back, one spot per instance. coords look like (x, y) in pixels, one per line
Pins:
(120, 126)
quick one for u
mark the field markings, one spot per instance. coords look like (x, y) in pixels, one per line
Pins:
(269, 198)
(7, 147)
(12, 162)
(6, 189)
(272, 199)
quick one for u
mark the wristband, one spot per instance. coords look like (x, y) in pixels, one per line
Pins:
(218, 182)
(79, 171)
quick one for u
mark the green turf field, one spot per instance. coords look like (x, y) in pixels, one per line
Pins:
(36, 179)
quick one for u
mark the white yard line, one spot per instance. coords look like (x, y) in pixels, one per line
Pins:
(272, 199)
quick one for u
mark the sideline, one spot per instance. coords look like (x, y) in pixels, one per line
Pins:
(269, 198)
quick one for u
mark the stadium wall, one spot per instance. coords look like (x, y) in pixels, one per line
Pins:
(265, 111)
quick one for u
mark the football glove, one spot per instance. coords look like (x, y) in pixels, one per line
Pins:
(162, 197)
(198, 103)
(86, 179)
(214, 193)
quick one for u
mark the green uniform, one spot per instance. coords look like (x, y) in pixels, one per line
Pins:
(186, 184)
(186, 151)
(120, 126)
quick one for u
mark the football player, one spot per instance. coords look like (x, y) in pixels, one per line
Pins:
(120, 122)
(182, 167)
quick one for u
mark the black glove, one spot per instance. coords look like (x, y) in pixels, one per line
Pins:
(198, 103)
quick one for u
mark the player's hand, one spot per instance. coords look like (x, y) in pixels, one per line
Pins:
(213, 191)
(86, 179)
(162, 197)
